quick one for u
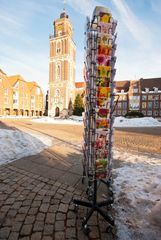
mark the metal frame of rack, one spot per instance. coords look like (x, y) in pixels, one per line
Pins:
(99, 98)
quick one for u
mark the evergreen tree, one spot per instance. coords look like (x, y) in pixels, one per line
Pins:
(70, 108)
(78, 105)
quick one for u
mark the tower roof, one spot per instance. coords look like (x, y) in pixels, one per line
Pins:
(64, 15)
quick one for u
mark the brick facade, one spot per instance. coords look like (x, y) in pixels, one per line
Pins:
(20, 98)
(143, 95)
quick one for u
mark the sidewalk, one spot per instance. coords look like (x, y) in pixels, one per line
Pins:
(36, 198)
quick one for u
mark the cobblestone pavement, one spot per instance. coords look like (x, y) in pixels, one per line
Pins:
(33, 206)
(36, 192)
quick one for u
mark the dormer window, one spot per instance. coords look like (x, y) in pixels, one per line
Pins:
(146, 90)
(155, 89)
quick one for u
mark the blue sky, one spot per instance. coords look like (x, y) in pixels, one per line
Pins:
(25, 26)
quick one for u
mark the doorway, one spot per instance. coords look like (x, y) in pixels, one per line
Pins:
(56, 112)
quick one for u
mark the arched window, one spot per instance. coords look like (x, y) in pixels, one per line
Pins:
(58, 48)
(58, 71)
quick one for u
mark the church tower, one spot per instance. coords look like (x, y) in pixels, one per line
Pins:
(61, 66)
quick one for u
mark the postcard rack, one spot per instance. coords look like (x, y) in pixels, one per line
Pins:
(99, 101)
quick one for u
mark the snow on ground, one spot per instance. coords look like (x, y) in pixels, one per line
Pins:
(74, 120)
(136, 122)
(137, 188)
(119, 121)
(15, 144)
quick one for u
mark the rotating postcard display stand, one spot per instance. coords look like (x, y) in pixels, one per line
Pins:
(98, 119)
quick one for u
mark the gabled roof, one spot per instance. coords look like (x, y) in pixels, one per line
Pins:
(1, 71)
(150, 83)
(119, 85)
(13, 79)
(79, 84)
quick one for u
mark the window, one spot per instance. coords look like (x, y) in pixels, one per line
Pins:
(150, 97)
(6, 91)
(150, 105)
(143, 104)
(146, 90)
(156, 104)
(149, 113)
(6, 100)
(144, 97)
(38, 91)
(155, 89)
(58, 48)
(15, 101)
(58, 71)
(124, 105)
(156, 113)
(119, 104)
(156, 97)
(135, 90)
(144, 112)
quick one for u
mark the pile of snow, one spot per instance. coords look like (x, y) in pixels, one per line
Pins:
(136, 122)
(137, 191)
(74, 120)
(15, 144)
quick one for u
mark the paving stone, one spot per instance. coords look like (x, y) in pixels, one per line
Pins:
(38, 226)
(71, 214)
(10, 201)
(40, 216)
(26, 230)
(36, 236)
(5, 208)
(23, 209)
(53, 208)
(36, 204)
(11, 213)
(46, 199)
(50, 218)
(16, 205)
(16, 226)
(47, 238)
(29, 219)
(48, 229)
(63, 208)
(60, 216)
(70, 233)
(61, 191)
(94, 232)
(27, 202)
(70, 222)
(13, 236)
(59, 226)
(20, 217)
(32, 211)
(4, 232)
(8, 222)
(59, 236)
(44, 207)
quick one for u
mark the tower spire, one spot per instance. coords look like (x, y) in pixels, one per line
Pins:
(64, 5)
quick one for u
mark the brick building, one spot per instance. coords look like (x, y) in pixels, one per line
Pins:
(143, 95)
(61, 66)
(18, 97)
